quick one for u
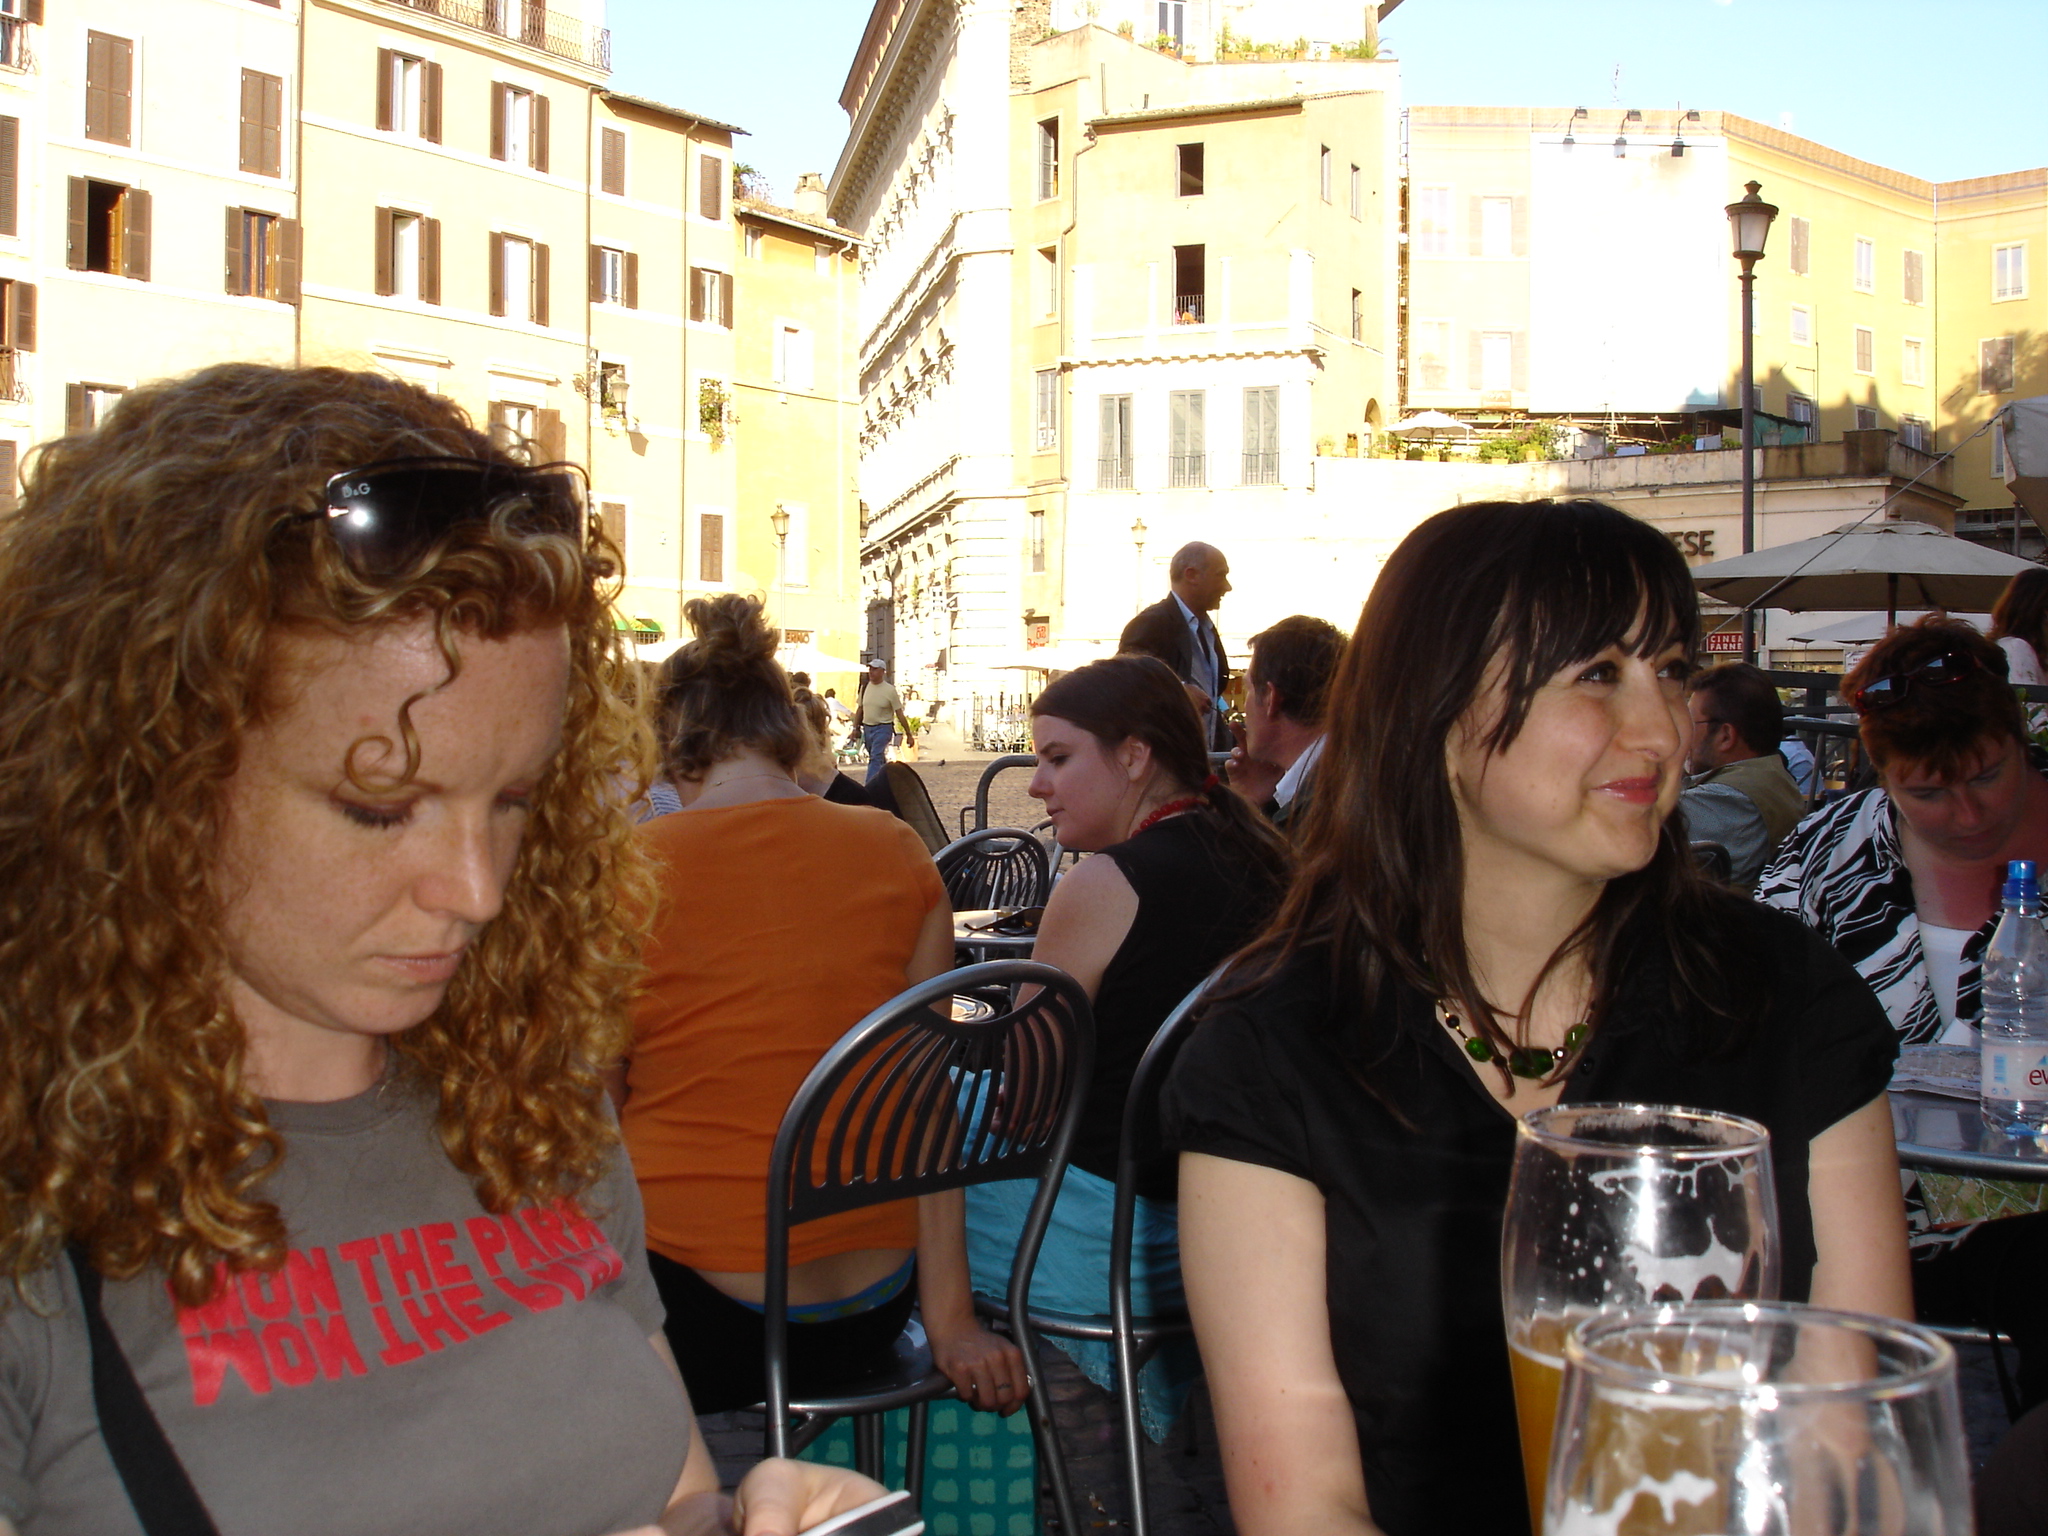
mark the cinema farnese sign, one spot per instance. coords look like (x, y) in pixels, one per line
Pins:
(1693, 543)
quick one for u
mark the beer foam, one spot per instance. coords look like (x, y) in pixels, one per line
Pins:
(1669, 1492)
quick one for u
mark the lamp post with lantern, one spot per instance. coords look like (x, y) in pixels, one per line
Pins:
(1138, 531)
(779, 520)
(1750, 222)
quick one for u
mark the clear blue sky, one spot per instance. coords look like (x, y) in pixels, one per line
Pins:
(1939, 88)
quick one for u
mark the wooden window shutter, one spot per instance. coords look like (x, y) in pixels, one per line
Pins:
(550, 437)
(120, 89)
(597, 274)
(387, 117)
(1475, 226)
(497, 273)
(725, 300)
(430, 261)
(34, 10)
(696, 291)
(537, 136)
(250, 157)
(289, 259)
(632, 279)
(710, 547)
(21, 316)
(611, 175)
(75, 233)
(74, 407)
(135, 220)
(430, 108)
(501, 102)
(235, 252)
(10, 493)
(273, 125)
(611, 517)
(710, 186)
(540, 284)
(386, 279)
(10, 175)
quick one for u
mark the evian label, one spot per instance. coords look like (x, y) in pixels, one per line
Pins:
(2015, 1069)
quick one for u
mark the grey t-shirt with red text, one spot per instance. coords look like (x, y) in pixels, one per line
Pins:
(417, 1366)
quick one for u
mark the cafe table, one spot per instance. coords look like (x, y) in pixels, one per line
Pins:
(1937, 1127)
(970, 932)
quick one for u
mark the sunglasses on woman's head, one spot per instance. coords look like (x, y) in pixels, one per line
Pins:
(1936, 671)
(384, 516)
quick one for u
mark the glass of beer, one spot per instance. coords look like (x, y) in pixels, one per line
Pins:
(1762, 1417)
(1615, 1207)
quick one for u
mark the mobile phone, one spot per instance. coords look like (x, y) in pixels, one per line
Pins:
(893, 1514)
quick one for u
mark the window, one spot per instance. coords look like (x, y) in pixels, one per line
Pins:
(1800, 258)
(2009, 271)
(1998, 449)
(1433, 221)
(1430, 341)
(1173, 21)
(711, 187)
(611, 162)
(408, 95)
(17, 320)
(1262, 436)
(614, 276)
(1188, 161)
(1496, 351)
(1866, 265)
(1496, 226)
(1190, 284)
(611, 522)
(1035, 542)
(109, 88)
(526, 20)
(1323, 171)
(107, 228)
(1186, 462)
(711, 296)
(1912, 361)
(1046, 272)
(1917, 432)
(1045, 409)
(1800, 409)
(792, 356)
(1357, 193)
(14, 38)
(1048, 159)
(262, 255)
(10, 175)
(1357, 315)
(1866, 418)
(1802, 326)
(519, 278)
(1866, 350)
(87, 405)
(1913, 277)
(751, 241)
(519, 127)
(513, 425)
(1994, 366)
(262, 143)
(1113, 449)
(711, 548)
(408, 255)
(614, 389)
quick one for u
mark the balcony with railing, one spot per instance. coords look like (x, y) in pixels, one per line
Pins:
(528, 22)
(1187, 469)
(1189, 308)
(13, 385)
(1261, 469)
(1113, 474)
(14, 49)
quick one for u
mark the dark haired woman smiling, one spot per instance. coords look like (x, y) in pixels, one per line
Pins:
(1491, 875)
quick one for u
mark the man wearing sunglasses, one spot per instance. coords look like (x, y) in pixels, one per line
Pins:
(1742, 796)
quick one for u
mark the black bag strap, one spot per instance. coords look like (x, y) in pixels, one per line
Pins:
(165, 1501)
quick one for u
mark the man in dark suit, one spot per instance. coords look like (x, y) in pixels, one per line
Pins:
(1179, 631)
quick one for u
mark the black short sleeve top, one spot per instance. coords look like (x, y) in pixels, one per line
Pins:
(1413, 1211)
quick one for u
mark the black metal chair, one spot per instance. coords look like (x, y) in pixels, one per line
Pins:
(912, 1102)
(994, 867)
(1134, 1339)
(1713, 861)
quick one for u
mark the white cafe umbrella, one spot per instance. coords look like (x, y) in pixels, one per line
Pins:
(1065, 656)
(1869, 628)
(1865, 565)
(808, 658)
(1429, 424)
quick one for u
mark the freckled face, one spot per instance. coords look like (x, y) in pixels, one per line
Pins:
(348, 911)
(1584, 789)
(1089, 791)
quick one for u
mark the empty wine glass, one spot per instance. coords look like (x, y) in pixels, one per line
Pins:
(1613, 1207)
(1767, 1418)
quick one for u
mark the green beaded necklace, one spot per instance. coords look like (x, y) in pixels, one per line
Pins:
(1531, 1061)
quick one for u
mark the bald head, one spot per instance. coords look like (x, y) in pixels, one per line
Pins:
(1200, 576)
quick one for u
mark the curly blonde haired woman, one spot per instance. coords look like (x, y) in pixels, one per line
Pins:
(312, 874)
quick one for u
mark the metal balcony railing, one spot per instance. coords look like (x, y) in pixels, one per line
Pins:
(529, 22)
(1187, 469)
(1188, 308)
(14, 49)
(1112, 474)
(1261, 469)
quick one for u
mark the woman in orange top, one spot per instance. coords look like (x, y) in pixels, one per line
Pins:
(783, 921)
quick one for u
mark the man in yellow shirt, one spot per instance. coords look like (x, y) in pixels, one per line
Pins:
(879, 714)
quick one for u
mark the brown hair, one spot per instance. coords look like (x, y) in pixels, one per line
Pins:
(1127, 697)
(2022, 610)
(143, 583)
(1296, 659)
(1740, 695)
(1936, 727)
(724, 691)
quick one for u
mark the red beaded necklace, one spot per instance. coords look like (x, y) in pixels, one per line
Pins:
(1171, 808)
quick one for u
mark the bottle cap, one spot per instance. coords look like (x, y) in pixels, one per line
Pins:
(2020, 881)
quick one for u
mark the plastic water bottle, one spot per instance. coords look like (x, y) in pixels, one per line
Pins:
(2014, 1092)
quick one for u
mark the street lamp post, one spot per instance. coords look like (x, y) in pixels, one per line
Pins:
(779, 520)
(1138, 538)
(1750, 222)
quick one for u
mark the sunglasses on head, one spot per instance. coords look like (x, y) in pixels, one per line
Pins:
(1938, 670)
(384, 516)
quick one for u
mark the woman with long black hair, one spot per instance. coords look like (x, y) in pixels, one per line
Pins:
(1496, 911)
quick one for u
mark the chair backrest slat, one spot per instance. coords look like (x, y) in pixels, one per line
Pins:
(994, 867)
